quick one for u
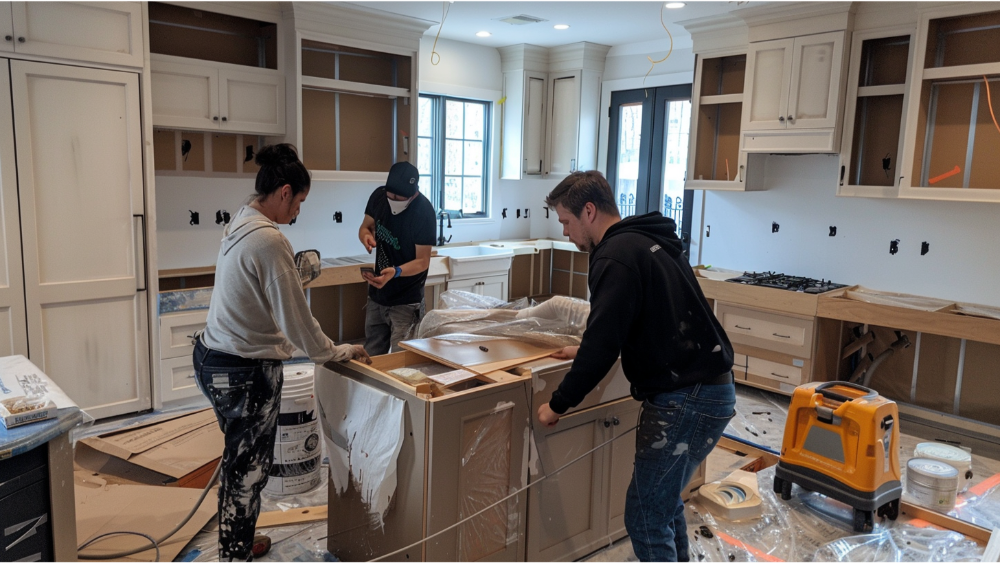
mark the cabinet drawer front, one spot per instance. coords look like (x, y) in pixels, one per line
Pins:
(789, 335)
(773, 370)
(176, 330)
(739, 366)
(179, 372)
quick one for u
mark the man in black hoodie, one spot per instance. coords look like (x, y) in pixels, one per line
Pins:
(647, 307)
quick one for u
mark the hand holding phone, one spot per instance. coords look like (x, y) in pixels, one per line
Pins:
(367, 270)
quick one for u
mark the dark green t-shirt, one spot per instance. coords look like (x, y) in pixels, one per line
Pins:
(396, 238)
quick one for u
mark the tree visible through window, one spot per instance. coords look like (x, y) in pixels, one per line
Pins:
(452, 153)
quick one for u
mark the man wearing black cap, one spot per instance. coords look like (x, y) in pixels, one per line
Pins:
(399, 225)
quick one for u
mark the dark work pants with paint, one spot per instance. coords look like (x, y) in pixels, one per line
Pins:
(676, 433)
(246, 397)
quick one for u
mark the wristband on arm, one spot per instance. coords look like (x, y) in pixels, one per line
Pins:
(399, 272)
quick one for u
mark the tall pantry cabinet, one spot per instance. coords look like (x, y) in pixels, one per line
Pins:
(72, 257)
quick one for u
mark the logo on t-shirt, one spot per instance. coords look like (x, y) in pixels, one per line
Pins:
(654, 248)
(383, 234)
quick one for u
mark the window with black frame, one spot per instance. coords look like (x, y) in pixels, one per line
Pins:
(453, 153)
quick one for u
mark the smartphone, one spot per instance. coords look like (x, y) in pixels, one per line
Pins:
(367, 270)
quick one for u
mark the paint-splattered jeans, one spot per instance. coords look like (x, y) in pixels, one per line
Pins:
(246, 397)
(676, 432)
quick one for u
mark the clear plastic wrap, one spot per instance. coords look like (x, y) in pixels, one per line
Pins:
(484, 478)
(555, 323)
(455, 299)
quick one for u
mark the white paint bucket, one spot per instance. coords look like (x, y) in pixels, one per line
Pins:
(295, 478)
(297, 449)
(932, 483)
(958, 458)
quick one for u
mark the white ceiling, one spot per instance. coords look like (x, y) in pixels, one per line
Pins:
(606, 23)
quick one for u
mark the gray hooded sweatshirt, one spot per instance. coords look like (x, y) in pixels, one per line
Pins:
(258, 309)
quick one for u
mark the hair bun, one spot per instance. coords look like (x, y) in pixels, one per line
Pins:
(275, 155)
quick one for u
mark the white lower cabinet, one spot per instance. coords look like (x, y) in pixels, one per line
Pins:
(176, 364)
(491, 286)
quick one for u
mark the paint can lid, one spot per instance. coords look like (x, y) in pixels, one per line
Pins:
(932, 473)
(943, 452)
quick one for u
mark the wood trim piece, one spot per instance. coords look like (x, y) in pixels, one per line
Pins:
(970, 530)
(304, 515)
(942, 323)
(186, 272)
(961, 71)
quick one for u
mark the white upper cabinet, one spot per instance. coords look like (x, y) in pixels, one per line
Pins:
(952, 137)
(213, 71)
(794, 92)
(99, 32)
(552, 109)
(794, 87)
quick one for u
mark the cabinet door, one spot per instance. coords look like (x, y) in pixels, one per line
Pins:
(814, 96)
(477, 449)
(79, 166)
(251, 102)
(567, 517)
(470, 285)
(564, 123)
(494, 286)
(6, 28)
(184, 95)
(177, 330)
(534, 122)
(13, 333)
(100, 32)
(623, 417)
(769, 66)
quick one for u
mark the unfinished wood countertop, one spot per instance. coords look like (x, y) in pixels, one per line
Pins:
(779, 300)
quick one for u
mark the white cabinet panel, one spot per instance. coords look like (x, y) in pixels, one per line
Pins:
(564, 124)
(491, 286)
(184, 96)
(769, 65)
(252, 102)
(6, 28)
(534, 122)
(816, 67)
(13, 333)
(80, 183)
(101, 32)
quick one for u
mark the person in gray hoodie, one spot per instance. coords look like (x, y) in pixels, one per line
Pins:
(257, 316)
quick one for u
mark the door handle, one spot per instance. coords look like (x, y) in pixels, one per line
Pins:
(615, 421)
(607, 423)
(742, 327)
(779, 375)
(140, 252)
(791, 118)
(781, 118)
(779, 335)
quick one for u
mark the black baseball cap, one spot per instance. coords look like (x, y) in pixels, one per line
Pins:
(403, 179)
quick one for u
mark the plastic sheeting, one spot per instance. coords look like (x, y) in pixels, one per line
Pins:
(557, 322)
(483, 479)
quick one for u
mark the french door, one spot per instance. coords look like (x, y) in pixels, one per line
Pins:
(647, 153)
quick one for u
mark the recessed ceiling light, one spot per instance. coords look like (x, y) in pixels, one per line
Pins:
(561, 26)
(483, 34)
(673, 5)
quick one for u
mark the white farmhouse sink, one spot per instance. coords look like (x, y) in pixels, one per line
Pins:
(477, 261)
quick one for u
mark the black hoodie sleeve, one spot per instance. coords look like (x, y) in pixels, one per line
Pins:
(613, 304)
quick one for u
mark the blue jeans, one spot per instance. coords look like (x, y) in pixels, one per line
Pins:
(676, 432)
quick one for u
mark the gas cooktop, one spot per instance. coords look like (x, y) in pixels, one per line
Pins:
(782, 281)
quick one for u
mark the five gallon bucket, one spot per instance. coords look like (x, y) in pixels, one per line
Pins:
(932, 483)
(297, 450)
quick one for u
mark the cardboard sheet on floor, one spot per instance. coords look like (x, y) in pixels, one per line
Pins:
(136, 508)
(478, 356)
(363, 429)
(175, 447)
